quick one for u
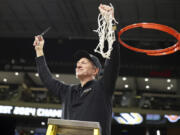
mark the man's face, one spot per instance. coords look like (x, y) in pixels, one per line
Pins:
(85, 68)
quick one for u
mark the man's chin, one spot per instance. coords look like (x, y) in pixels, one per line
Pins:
(79, 76)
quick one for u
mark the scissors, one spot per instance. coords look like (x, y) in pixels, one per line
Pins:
(45, 31)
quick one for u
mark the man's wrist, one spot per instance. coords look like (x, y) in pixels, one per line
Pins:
(39, 53)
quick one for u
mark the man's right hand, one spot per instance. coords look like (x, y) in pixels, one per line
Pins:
(39, 44)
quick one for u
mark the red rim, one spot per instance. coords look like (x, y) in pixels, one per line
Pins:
(156, 26)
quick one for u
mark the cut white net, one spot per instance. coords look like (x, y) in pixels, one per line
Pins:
(105, 32)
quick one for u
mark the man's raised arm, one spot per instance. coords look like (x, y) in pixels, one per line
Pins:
(58, 88)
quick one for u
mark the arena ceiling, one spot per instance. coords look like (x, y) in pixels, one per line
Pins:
(77, 18)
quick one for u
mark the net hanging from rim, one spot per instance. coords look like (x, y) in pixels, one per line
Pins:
(106, 32)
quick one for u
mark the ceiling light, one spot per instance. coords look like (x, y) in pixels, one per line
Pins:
(124, 78)
(16, 73)
(36, 74)
(32, 131)
(43, 123)
(168, 88)
(158, 132)
(126, 85)
(57, 75)
(146, 79)
(168, 80)
(147, 86)
(5, 80)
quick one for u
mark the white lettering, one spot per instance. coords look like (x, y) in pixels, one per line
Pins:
(5, 109)
(27, 111)
(49, 112)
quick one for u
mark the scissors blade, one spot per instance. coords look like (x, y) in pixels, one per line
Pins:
(45, 31)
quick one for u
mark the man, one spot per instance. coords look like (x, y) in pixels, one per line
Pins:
(91, 100)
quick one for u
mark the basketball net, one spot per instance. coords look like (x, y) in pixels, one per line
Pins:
(105, 32)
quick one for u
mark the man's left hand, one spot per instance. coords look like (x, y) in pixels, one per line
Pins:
(106, 10)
